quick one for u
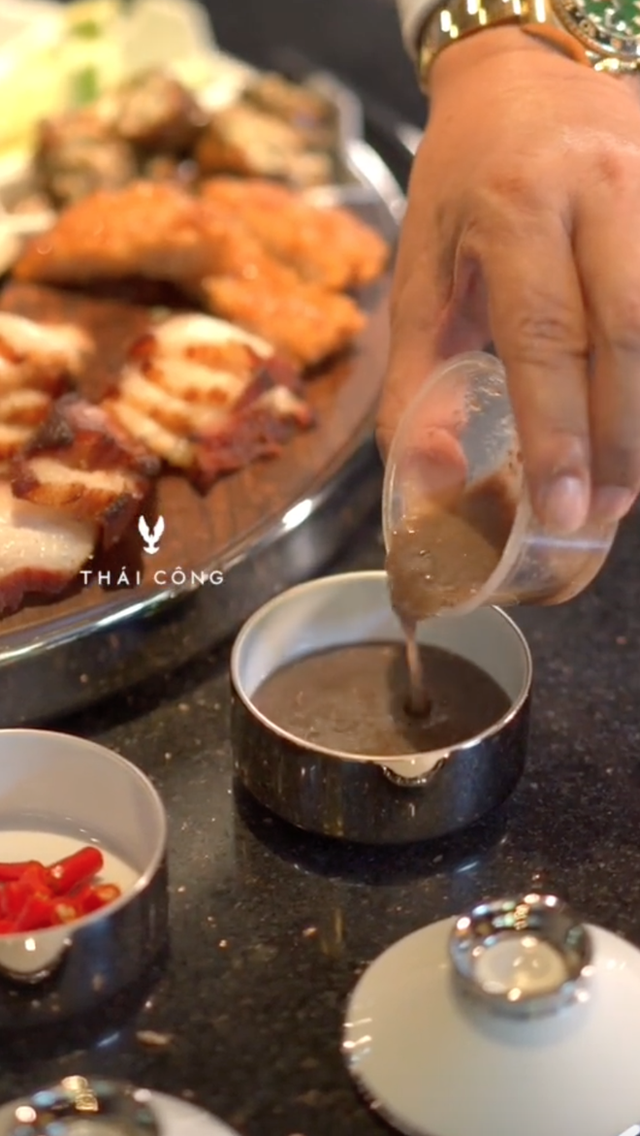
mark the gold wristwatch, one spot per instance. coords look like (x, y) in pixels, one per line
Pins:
(604, 34)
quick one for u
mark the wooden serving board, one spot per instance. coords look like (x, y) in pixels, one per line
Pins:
(87, 635)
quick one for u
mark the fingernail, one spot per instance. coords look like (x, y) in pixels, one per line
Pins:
(610, 503)
(565, 504)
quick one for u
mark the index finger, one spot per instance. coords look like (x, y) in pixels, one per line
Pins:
(422, 300)
(539, 328)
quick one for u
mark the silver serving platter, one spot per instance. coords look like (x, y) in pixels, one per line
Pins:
(66, 662)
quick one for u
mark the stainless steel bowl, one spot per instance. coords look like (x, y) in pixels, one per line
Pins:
(82, 1106)
(56, 787)
(374, 800)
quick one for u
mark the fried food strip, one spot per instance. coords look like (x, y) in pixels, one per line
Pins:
(84, 466)
(148, 229)
(159, 232)
(207, 398)
(304, 322)
(152, 230)
(37, 363)
(329, 247)
(40, 550)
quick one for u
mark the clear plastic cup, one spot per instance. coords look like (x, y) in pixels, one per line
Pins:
(456, 440)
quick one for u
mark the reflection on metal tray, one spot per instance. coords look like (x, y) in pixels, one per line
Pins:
(258, 531)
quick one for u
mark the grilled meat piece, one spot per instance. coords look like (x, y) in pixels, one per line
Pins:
(330, 247)
(156, 113)
(21, 412)
(82, 464)
(207, 398)
(182, 172)
(41, 551)
(38, 354)
(242, 139)
(104, 147)
(303, 108)
(78, 154)
(37, 363)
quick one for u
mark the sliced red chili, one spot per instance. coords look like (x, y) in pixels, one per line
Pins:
(108, 892)
(32, 882)
(10, 872)
(33, 897)
(87, 900)
(93, 898)
(14, 899)
(75, 870)
(35, 878)
(37, 913)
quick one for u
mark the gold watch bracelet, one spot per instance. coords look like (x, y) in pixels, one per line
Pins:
(461, 19)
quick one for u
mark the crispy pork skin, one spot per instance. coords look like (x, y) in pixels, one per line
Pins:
(83, 464)
(41, 551)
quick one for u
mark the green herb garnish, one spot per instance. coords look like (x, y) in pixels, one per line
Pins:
(87, 29)
(85, 87)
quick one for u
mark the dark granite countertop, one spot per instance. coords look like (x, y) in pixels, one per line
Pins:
(271, 928)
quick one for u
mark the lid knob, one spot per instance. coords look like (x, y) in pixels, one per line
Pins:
(522, 957)
(76, 1102)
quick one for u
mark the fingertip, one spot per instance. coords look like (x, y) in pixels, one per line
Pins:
(611, 503)
(562, 504)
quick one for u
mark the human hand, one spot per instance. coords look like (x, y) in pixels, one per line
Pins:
(523, 229)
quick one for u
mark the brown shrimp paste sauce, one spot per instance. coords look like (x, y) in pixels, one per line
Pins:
(355, 699)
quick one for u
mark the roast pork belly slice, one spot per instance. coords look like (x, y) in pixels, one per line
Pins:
(37, 363)
(84, 465)
(208, 398)
(258, 429)
(39, 356)
(41, 551)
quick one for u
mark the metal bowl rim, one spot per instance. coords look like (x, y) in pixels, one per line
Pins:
(334, 582)
(155, 863)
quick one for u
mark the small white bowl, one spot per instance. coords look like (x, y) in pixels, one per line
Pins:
(57, 794)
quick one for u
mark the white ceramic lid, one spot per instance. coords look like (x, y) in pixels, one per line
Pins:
(168, 1116)
(434, 1037)
(180, 1118)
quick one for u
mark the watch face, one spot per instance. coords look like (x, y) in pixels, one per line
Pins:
(610, 28)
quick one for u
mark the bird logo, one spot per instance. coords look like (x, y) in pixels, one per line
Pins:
(151, 537)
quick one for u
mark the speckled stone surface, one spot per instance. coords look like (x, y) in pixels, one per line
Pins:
(270, 928)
